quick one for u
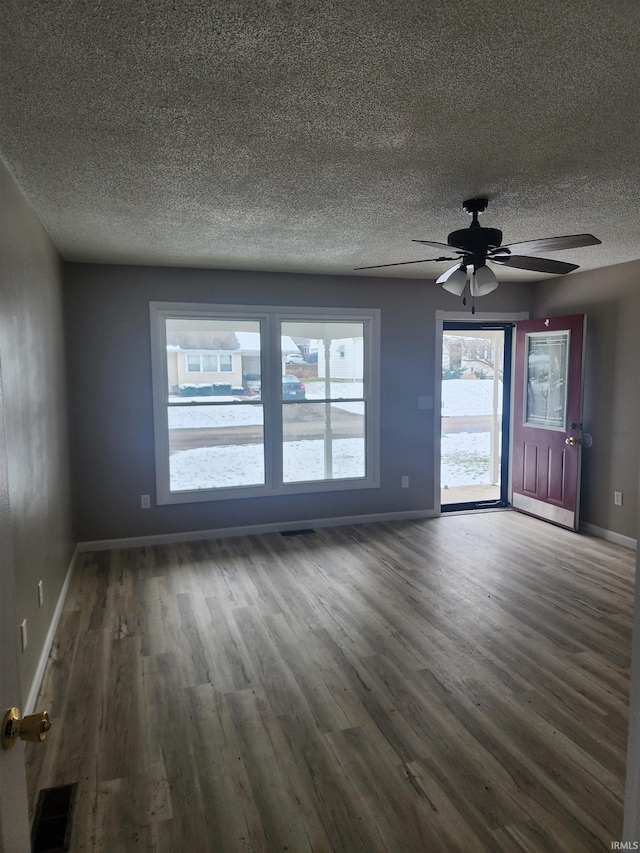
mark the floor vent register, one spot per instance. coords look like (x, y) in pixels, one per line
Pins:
(51, 830)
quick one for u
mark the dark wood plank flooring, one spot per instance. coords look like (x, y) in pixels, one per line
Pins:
(453, 684)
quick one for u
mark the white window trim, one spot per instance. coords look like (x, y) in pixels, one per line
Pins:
(270, 317)
(192, 356)
(219, 357)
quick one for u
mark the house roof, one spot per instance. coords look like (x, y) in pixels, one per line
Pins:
(319, 137)
(202, 340)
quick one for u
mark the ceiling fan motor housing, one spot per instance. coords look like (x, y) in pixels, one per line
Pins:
(475, 241)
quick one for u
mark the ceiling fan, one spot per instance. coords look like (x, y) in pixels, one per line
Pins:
(475, 246)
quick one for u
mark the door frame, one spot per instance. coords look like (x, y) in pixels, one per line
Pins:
(505, 441)
(466, 317)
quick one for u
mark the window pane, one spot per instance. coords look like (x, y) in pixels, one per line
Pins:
(212, 345)
(209, 363)
(215, 446)
(323, 441)
(327, 356)
(547, 366)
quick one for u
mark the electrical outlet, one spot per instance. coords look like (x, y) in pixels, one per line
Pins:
(617, 498)
(40, 594)
(405, 482)
(145, 501)
(23, 633)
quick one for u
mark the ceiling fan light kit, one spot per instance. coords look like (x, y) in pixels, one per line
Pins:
(476, 246)
(456, 282)
(483, 281)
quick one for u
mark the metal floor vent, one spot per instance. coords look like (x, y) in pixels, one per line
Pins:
(51, 830)
(296, 532)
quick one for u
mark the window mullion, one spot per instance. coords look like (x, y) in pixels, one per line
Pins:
(273, 408)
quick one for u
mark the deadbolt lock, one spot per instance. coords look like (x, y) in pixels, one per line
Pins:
(32, 728)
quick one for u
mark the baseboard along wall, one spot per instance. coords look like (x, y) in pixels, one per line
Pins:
(609, 535)
(32, 697)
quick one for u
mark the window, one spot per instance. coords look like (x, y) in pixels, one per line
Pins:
(324, 431)
(270, 426)
(547, 368)
(209, 363)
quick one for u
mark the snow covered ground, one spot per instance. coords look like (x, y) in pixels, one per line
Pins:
(469, 397)
(465, 459)
(243, 465)
(465, 456)
(203, 416)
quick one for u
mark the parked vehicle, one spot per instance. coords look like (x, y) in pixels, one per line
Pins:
(292, 388)
(294, 358)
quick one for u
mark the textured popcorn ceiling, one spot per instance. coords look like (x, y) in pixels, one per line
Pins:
(321, 136)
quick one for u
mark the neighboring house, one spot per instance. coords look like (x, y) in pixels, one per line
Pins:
(202, 367)
(210, 358)
(346, 358)
(473, 355)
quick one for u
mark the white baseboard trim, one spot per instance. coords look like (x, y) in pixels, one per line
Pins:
(610, 536)
(276, 527)
(32, 697)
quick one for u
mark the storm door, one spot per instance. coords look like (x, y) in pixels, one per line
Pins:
(475, 399)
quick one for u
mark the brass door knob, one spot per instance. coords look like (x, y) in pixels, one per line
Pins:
(572, 441)
(32, 728)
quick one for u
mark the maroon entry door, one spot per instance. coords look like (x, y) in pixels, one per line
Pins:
(547, 418)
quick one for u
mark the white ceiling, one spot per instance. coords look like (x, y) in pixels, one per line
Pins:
(322, 136)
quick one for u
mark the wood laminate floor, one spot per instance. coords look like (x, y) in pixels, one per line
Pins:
(452, 684)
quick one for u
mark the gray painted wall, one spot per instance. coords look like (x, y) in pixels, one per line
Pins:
(631, 831)
(611, 299)
(35, 408)
(107, 310)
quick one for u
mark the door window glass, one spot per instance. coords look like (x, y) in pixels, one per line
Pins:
(546, 369)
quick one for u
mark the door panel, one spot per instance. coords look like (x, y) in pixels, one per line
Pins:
(547, 417)
(556, 476)
(14, 819)
(530, 468)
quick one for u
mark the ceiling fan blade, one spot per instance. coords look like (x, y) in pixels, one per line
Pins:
(440, 246)
(447, 274)
(523, 262)
(402, 263)
(552, 244)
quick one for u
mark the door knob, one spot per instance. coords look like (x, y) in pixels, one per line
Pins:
(32, 728)
(572, 441)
